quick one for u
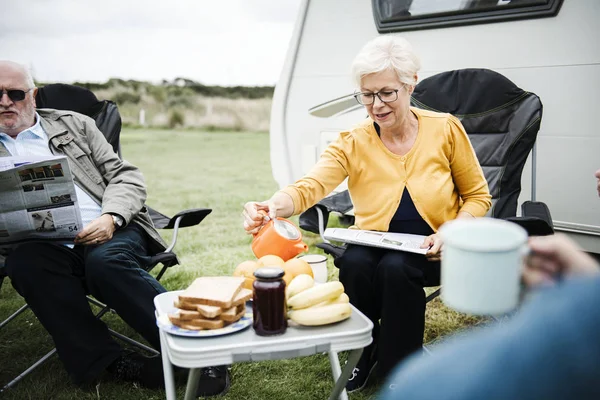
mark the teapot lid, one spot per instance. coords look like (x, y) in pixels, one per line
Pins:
(286, 229)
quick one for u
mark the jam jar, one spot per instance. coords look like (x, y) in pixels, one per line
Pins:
(269, 306)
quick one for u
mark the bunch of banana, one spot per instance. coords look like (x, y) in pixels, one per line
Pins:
(316, 305)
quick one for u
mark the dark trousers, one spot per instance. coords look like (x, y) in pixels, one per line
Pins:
(387, 286)
(55, 279)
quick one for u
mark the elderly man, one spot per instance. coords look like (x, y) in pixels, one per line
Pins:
(116, 239)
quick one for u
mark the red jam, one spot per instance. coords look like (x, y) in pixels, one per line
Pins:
(269, 306)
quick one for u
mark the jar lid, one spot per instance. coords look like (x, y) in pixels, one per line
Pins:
(269, 273)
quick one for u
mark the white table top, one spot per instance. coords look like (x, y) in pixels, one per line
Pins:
(245, 345)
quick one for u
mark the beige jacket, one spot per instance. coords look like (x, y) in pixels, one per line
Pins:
(115, 184)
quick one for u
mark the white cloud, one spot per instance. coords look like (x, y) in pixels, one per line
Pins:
(233, 42)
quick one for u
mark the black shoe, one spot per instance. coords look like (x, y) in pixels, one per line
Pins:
(214, 381)
(360, 377)
(363, 370)
(134, 367)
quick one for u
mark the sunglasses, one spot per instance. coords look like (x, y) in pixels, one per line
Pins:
(15, 94)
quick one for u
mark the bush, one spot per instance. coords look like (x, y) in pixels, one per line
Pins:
(176, 118)
(126, 97)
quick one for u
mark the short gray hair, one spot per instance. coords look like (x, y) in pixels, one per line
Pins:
(383, 53)
(26, 73)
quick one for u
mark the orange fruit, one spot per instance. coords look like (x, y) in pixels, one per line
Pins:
(270, 261)
(246, 269)
(297, 266)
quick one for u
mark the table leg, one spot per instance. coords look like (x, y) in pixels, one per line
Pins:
(192, 383)
(339, 391)
(167, 369)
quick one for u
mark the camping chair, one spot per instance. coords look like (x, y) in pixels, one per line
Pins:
(106, 115)
(502, 122)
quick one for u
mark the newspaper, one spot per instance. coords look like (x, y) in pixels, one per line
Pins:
(386, 240)
(37, 200)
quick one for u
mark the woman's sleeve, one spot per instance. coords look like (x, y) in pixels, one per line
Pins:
(466, 171)
(331, 169)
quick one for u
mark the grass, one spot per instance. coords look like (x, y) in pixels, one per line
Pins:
(186, 169)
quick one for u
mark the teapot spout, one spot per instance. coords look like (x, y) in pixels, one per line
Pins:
(300, 247)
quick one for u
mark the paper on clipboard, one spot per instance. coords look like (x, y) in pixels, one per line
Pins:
(387, 240)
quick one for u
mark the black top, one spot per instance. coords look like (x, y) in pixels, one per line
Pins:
(407, 219)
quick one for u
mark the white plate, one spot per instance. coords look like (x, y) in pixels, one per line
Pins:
(163, 323)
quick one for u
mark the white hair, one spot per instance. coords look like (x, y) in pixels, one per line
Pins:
(24, 70)
(383, 53)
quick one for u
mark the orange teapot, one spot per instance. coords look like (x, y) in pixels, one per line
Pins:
(279, 237)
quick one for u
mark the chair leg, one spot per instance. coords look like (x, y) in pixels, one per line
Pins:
(433, 295)
(118, 335)
(28, 370)
(133, 342)
(14, 315)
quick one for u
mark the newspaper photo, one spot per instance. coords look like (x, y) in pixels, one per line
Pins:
(386, 240)
(37, 200)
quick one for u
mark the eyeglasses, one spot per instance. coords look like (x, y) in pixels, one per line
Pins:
(386, 96)
(15, 94)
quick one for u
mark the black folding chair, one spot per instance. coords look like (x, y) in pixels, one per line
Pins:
(502, 122)
(106, 115)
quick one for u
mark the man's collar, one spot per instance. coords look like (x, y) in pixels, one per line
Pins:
(37, 129)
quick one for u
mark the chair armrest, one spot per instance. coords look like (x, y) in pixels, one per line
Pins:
(339, 202)
(535, 219)
(332, 249)
(182, 219)
(188, 218)
(537, 209)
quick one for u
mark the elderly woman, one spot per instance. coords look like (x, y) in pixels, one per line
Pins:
(409, 170)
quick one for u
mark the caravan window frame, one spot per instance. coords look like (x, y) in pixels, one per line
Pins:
(463, 17)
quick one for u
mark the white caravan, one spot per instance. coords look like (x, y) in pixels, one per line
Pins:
(548, 47)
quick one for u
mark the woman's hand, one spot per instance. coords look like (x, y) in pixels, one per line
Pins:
(554, 256)
(255, 214)
(434, 243)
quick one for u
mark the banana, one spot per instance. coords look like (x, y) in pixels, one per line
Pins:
(316, 294)
(342, 298)
(299, 284)
(324, 315)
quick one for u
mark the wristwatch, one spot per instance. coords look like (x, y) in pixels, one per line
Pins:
(118, 221)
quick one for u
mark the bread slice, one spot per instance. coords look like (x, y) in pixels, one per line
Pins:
(242, 297)
(208, 311)
(185, 306)
(217, 291)
(233, 314)
(197, 324)
(204, 310)
(185, 314)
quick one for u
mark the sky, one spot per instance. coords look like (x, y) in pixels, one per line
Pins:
(215, 42)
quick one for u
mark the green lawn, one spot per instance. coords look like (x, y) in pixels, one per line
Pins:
(186, 169)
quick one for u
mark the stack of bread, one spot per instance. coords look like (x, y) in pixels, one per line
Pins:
(211, 303)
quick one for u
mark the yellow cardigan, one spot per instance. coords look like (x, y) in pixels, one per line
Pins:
(441, 172)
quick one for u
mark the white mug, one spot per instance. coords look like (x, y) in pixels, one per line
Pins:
(481, 265)
(318, 264)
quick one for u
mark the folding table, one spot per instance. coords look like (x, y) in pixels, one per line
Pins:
(350, 335)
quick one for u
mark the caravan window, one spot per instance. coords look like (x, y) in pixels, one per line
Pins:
(403, 15)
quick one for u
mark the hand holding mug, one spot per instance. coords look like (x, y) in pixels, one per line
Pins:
(552, 257)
